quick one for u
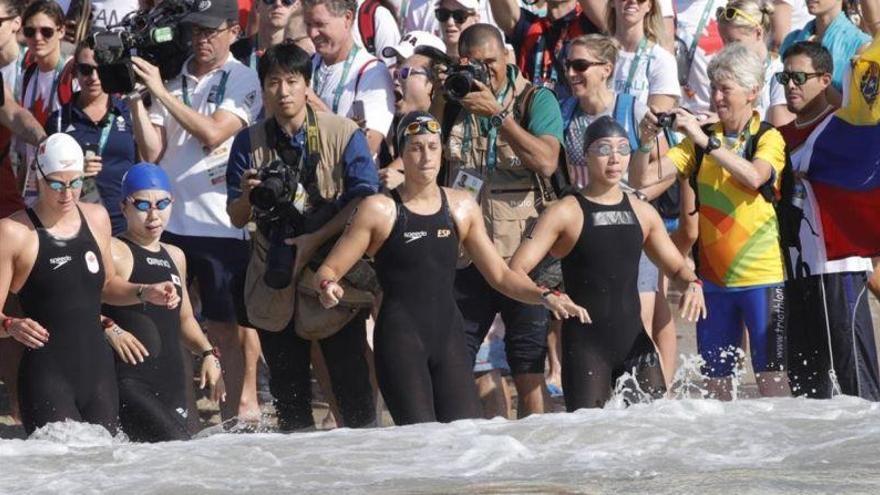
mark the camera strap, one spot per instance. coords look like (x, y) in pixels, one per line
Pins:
(221, 89)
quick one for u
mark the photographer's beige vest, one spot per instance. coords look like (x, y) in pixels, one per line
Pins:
(271, 309)
(510, 197)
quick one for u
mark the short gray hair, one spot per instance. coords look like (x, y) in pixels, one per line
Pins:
(336, 7)
(738, 64)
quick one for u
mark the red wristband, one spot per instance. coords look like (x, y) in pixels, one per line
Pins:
(7, 322)
(107, 323)
(325, 283)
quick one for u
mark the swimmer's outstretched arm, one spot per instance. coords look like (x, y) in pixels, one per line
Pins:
(368, 228)
(514, 284)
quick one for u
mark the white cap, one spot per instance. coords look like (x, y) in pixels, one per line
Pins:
(468, 4)
(410, 41)
(59, 153)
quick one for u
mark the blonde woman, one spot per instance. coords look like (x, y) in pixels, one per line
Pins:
(749, 22)
(644, 68)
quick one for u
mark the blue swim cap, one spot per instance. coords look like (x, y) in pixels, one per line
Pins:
(144, 176)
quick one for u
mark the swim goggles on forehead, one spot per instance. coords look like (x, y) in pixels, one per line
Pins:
(145, 205)
(421, 126)
(730, 13)
(606, 149)
(60, 185)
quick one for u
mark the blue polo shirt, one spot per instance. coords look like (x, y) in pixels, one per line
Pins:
(118, 155)
(359, 175)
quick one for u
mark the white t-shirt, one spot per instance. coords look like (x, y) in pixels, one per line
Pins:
(387, 32)
(811, 233)
(418, 15)
(12, 76)
(111, 12)
(199, 176)
(800, 16)
(374, 89)
(773, 93)
(666, 8)
(695, 95)
(655, 74)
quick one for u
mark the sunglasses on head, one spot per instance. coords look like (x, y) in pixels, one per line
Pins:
(459, 15)
(86, 70)
(606, 149)
(405, 72)
(413, 128)
(286, 3)
(45, 32)
(145, 206)
(581, 64)
(799, 78)
(730, 13)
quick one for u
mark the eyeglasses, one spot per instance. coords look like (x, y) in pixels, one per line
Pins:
(31, 32)
(606, 149)
(413, 128)
(203, 32)
(581, 64)
(145, 206)
(730, 13)
(86, 70)
(61, 186)
(799, 78)
(405, 72)
(286, 3)
(459, 16)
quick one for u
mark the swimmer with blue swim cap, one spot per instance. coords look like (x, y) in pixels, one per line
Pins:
(152, 395)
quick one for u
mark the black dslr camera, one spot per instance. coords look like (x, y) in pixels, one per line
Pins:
(666, 120)
(277, 215)
(155, 35)
(459, 77)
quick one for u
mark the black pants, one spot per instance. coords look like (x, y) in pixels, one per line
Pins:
(848, 339)
(288, 357)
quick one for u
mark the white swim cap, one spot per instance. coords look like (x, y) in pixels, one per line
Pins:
(59, 153)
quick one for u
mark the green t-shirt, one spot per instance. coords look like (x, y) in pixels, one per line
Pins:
(546, 117)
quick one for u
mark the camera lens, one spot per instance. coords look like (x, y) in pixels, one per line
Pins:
(268, 194)
(459, 84)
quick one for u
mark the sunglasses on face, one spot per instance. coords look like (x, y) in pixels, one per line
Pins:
(405, 72)
(286, 3)
(61, 186)
(730, 13)
(799, 78)
(581, 64)
(86, 70)
(606, 149)
(45, 32)
(145, 206)
(431, 126)
(459, 16)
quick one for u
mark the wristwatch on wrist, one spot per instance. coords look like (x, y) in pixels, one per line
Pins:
(712, 144)
(496, 120)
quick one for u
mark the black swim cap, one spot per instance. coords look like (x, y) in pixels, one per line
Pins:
(426, 124)
(603, 127)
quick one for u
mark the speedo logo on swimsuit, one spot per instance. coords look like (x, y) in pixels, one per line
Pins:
(60, 261)
(414, 236)
(158, 262)
(605, 218)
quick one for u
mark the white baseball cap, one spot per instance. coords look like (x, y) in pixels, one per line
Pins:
(468, 4)
(410, 41)
(59, 153)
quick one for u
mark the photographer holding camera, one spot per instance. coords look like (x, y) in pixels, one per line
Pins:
(501, 135)
(296, 177)
(188, 131)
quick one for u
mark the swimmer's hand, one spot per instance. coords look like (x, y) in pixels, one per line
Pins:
(693, 304)
(330, 293)
(127, 346)
(28, 332)
(390, 178)
(161, 294)
(563, 307)
(212, 375)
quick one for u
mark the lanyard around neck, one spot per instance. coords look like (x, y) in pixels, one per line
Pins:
(320, 82)
(640, 52)
(492, 137)
(56, 79)
(221, 89)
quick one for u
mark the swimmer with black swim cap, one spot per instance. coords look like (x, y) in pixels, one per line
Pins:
(414, 234)
(149, 365)
(599, 234)
(56, 257)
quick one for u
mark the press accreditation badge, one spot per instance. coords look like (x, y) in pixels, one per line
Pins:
(215, 165)
(470, 182)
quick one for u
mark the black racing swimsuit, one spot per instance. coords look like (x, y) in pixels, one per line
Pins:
(152, 394)
(601, 274)
(422, 364)
(72, 376)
